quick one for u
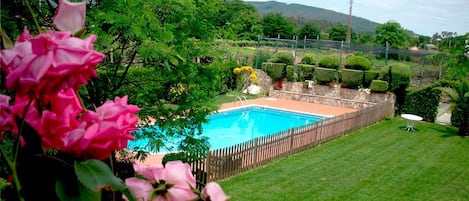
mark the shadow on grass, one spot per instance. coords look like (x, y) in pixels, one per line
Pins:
(446, 131)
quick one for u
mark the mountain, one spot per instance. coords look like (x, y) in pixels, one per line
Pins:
(359, 24)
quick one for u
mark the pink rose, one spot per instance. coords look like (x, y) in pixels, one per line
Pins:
(170, 183)
(7, 119)
(213, 192)
(70, 16)
(50, 62)
(60, 118)
(51, 116)
(11, 58)
(102, 132)
(94, 135)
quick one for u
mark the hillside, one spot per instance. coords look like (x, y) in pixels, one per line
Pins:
(359, 24)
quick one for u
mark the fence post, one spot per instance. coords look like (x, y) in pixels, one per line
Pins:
(340, 58)
(386, 55)
(257, 51)
(255, 151)
(290, 132)
(207, 166)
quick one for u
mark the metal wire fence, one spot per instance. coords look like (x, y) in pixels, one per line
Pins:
(425, 69)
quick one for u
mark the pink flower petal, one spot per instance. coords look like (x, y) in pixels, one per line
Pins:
(70, 16)
(140, 188)
(213, 192)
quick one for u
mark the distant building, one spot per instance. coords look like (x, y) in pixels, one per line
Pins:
(431, 47)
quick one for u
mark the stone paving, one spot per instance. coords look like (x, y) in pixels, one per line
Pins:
(299, 106)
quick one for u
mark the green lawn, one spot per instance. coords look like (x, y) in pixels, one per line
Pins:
(232, 96)
(380, 162)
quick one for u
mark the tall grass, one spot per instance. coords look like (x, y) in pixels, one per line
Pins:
(380, 162)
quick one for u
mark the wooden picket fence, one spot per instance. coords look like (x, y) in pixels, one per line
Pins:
(229, 161)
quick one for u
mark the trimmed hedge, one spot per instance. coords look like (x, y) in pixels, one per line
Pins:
(379, 86)
(398, 75)
(422, 102)
(275, 70)
(369, 76)
(307, 71)
(456, 118)
(282, 57)
(325, 75)
(290, 76)
(308, 59)
(357, 63)
(329, 62)
(352, 78)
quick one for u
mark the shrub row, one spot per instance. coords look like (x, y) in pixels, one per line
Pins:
(305, 72)
(352, 78)
(275, 70)
(349, 77)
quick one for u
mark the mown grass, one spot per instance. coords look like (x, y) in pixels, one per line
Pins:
(380, 162)
(232, 96)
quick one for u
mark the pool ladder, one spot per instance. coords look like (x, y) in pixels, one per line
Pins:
(242, 99)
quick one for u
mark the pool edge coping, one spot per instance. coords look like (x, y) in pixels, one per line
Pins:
(271, 107)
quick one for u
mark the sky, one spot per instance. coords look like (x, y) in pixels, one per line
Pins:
(424, 17)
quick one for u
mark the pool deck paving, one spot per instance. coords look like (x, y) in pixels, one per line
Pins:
(291, 105)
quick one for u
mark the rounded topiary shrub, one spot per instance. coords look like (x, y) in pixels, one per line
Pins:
(308, 59)
(329, 62)
(282, 57)
(357, 63)
(276, 71)
(352, 78)
(379, 86)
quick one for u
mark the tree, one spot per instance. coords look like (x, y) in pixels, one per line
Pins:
(364, 39)
(309, 31)
(163, 40)
(274, 25)
(238, 20)
(393, 33)
(338, 33)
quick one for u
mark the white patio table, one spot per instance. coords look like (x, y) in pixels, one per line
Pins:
(411, 118)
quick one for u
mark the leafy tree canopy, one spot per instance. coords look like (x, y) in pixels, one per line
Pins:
(338, 33)
(238, 20)
(163, 40)
(309, 31)
(274, 25)
(393, 33)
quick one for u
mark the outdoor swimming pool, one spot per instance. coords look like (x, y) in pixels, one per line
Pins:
(235, 126)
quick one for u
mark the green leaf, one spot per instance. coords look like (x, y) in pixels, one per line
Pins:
(85, 193)
(96, 175)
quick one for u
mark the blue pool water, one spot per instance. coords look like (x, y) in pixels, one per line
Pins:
(232, 127)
